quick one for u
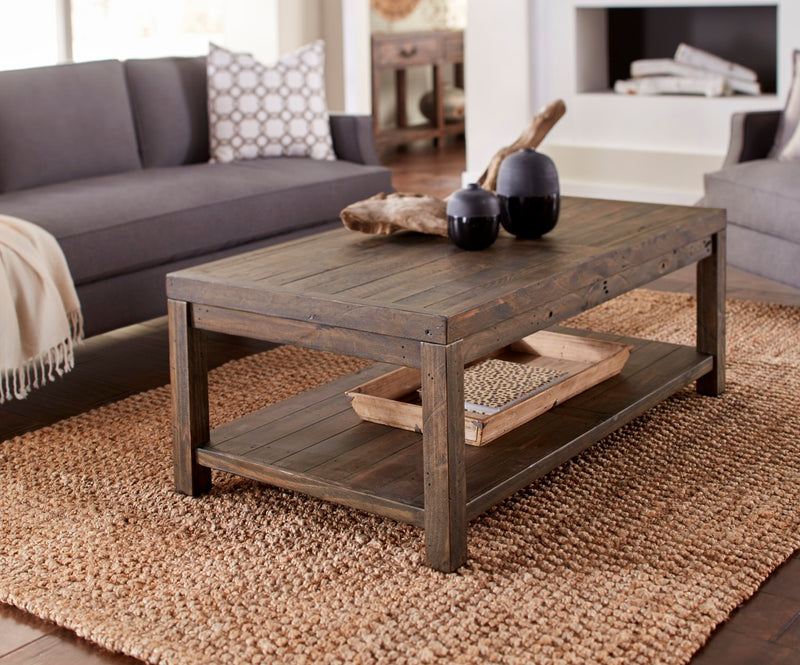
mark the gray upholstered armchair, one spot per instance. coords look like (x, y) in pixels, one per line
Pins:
(762, 198)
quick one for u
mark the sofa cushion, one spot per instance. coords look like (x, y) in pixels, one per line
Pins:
(145, 290)
(169, 101)
(764, 254)
(64, 122)
(116, 224)
(265, 111)
(762, 195)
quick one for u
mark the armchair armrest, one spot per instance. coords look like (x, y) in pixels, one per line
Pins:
(752, 136)
(353, 138)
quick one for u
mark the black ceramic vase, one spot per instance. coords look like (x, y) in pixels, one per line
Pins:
(527, 187)
(473, 218)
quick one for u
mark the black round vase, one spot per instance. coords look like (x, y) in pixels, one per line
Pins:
(473, 218)
(529, 195)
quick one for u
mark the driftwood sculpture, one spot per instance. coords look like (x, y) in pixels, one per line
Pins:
(387, 213)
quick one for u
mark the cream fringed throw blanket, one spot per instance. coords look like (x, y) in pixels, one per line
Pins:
(39, 309)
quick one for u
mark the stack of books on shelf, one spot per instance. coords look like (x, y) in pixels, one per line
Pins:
(691, 71)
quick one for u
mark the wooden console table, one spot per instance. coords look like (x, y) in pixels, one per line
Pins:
(398, 51)
(418, 301)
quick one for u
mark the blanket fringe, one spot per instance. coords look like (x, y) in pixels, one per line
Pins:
(17, 383)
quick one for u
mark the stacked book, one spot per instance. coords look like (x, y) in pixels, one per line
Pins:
(691, 72)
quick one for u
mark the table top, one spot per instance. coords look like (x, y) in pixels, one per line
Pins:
(420, 287)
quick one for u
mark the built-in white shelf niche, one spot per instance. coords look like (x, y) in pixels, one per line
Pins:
(608, 39)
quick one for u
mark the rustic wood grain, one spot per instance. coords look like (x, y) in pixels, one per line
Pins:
(443, 455)
(382, 296)
(189, 379)
(423, 303)
(584, 362)
(711, 314)
(315, 335)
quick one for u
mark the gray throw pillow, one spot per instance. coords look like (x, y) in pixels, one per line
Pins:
(257, 110)
(790, 118)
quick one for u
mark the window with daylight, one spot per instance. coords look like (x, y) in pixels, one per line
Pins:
(146, 28)
(29, 34)
(46, 32)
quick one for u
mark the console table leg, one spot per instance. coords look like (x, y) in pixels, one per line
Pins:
(711, 315)
(189, 378)
(443, 454)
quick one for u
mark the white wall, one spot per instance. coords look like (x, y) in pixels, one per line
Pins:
(271, 28)
(640, 148)
(356, 56)
(252, 26)
(497, 77)
(300, 22)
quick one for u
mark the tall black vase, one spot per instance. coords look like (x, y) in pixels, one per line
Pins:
(529, 194)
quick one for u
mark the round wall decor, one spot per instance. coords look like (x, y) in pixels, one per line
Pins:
(394, 10)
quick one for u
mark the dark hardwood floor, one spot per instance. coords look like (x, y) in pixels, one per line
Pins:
(764, 631)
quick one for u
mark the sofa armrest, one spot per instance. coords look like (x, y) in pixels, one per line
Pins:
(752, 136)
(353, 138)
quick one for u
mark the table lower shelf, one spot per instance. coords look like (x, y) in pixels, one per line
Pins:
(316, 444)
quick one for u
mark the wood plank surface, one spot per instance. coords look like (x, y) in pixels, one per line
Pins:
(497, 328)
(289, 407)
(263, 424)
(561, 434)
(424, 288)
(381, 469)
(421, 302)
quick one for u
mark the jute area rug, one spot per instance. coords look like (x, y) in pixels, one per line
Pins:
(631, 553)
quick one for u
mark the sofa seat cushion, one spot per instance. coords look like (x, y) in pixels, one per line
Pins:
(761, 195)
(116, 224)
(763, 254)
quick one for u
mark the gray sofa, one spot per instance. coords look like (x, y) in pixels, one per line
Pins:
(762, 197)
(112, 158)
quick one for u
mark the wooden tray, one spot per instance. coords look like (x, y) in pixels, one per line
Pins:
(393, 399)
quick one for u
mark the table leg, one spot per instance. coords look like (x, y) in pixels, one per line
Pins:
(438, 96)
(401, 95)
(443, 454)
(711, 315)
(189, 378)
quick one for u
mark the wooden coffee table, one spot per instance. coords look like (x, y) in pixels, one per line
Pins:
(420, 302)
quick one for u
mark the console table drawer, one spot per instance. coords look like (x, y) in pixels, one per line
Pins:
(418, 50)
(454, 47)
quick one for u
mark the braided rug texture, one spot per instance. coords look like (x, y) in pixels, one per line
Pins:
(631, 553)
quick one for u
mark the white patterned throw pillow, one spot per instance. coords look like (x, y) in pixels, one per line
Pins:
(256, 110)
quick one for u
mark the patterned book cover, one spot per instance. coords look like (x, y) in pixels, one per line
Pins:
(495, 384)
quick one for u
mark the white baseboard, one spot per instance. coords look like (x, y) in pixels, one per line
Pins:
(630, 175)
(623, 193)
(617, 192)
